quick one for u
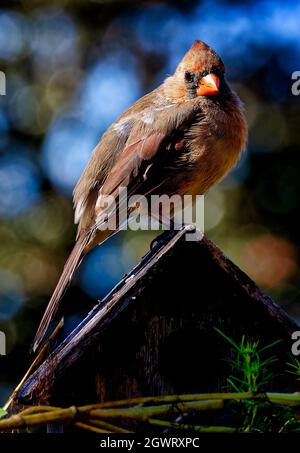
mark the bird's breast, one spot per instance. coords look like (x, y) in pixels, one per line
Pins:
(215, 146)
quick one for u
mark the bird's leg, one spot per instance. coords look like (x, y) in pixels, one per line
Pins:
(166, 222)
(193, 234)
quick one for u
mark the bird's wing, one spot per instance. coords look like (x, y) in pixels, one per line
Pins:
(128, 172)
(103, 157)
(112, 144)
(155, 137)
(157, 133)
(131, 164)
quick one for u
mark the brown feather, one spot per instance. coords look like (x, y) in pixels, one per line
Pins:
(127, 166)
(68, 271)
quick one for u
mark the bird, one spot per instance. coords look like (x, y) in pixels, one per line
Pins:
(181, 138)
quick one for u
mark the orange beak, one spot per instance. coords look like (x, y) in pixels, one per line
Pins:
(208, 85)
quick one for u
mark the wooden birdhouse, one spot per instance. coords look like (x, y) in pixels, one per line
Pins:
(155, 333)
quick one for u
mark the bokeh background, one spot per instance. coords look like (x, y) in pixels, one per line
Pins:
(71, 68)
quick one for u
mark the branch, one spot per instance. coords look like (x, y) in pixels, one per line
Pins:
(97, 417)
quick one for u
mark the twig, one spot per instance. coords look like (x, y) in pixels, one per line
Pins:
(143, 413)
(198, 428)
(171, 399)
(108, 426)
(21, 421)
(96, 417)
(37, 409)
(91, 428)
(284, 398)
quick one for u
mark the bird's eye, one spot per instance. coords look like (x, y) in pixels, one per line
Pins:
(188, 76)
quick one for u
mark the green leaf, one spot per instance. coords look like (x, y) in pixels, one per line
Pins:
(227, 338)
(269, 346)
(2, 412)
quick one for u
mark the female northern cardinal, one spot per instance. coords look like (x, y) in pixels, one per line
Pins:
(181, 138)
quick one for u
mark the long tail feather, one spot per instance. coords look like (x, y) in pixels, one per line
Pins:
(70, 267)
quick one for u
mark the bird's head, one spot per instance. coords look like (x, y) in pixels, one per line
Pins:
(200, 73)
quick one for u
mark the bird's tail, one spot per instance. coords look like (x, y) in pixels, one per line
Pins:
(70, 267)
